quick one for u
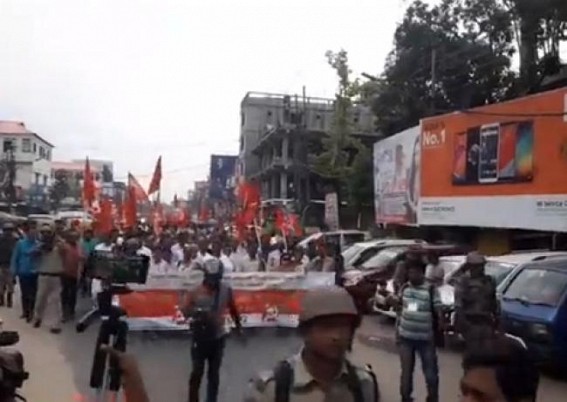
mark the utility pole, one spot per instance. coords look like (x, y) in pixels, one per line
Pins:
(11, 165)
(433, 80)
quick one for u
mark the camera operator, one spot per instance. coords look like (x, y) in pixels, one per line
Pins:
(205, 306)
(50, 273)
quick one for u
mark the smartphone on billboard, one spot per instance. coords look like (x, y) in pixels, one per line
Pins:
(460, 158)
(507, 152)
(473, 152)
(488, 157)
(525, 151)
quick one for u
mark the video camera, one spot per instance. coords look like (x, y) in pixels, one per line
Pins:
(119, 269)
(12, 373)
(115, 269)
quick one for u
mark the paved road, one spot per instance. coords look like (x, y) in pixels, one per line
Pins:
(60, 364)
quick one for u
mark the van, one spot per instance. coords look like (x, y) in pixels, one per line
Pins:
(534, 308)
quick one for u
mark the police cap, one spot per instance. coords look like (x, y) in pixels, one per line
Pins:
(326, 301)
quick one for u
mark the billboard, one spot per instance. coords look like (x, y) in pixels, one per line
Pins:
(503, 165)
(396, 178)
(222, 176)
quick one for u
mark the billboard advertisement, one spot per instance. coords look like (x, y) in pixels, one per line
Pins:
(222, 176)
(396, 178)
(503, 165)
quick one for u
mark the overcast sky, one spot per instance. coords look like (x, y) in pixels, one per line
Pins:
(128, 80)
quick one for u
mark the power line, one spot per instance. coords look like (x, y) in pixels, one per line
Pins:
(181, 169)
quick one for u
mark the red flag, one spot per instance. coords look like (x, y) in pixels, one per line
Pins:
(103, 219)
(155, 184)
(89, 189)
(140, 193)
(130, 208)
(157, 219)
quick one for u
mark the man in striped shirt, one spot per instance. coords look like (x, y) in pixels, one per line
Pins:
(419, 306)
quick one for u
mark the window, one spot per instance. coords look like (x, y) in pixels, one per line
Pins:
(37, 176)
(26, 145)
(48, 154)
(34, 148)
(41, 152)
(242, 119)
(45, 180)
(535, 285)
(8, 144)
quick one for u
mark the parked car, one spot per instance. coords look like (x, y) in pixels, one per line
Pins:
(343, 237)
(534, 308)
(359, 253)
(500, 268)
(362, 280)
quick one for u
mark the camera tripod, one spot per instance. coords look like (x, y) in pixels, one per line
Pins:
(105, 372)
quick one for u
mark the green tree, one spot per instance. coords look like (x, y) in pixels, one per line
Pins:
(446, 57)
(539, 27)
(59, 190)
(345, 164)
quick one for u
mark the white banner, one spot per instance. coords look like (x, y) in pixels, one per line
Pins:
(537, 212)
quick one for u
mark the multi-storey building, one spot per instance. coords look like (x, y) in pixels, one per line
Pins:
(31, 156)
(278, 135)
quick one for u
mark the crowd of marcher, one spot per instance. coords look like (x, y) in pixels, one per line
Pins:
(51, 264)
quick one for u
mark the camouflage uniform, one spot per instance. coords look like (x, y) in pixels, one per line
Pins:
(476, 308)
(304, 388)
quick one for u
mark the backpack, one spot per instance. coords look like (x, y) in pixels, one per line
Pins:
(283, 376)
(203, 323)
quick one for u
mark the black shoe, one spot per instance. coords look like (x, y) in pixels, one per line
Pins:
(29, 318)
(55, 330)
(37, 324)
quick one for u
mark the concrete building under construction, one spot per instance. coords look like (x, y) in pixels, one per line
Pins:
(279, 132)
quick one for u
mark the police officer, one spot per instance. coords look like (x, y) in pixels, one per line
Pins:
(8, 241)
(476, 306)
(205, 308)
(320, 371)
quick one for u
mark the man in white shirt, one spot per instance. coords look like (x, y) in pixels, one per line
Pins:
(275, 255)
(158, 265)
(177, 248)
(250, 262)
(434, 272)
(226, 259)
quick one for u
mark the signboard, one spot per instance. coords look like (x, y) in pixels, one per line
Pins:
(222, 176)
(502, 165)
(396, 177)
(332, 211)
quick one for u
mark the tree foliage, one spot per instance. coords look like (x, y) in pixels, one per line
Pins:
(345, 160)
(446, 57)
(59, 189)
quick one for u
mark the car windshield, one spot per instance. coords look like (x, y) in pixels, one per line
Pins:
(449, 267)
(383, 258)
(498, 270)
(351, 253)
(538, 286)
(352, 238)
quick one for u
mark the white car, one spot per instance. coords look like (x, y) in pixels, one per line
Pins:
(359, 253)
(499, 268)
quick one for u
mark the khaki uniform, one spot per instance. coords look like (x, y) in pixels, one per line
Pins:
(305, 389)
